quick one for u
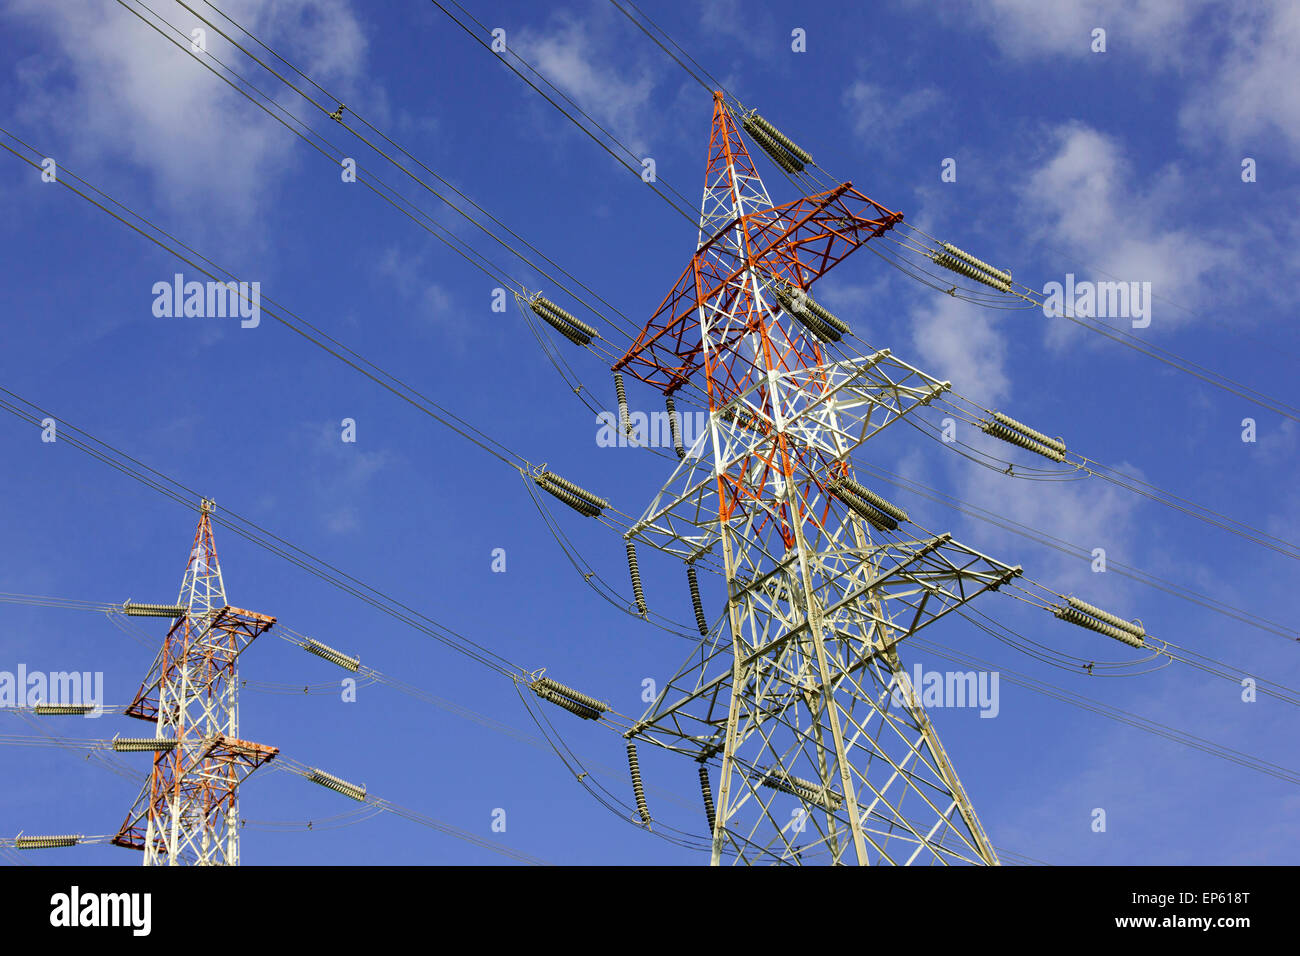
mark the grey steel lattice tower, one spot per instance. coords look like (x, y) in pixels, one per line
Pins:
(826, 754)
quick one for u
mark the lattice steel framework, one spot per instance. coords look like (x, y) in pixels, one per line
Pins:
(826, 752)
(188, 811)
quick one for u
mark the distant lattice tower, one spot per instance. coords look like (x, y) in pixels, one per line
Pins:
(826, 752)
(188, 811)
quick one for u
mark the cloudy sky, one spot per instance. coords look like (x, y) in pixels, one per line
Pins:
(1126, 163)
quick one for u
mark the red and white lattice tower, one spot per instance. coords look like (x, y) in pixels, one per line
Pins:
(826, 753)
(188, 811)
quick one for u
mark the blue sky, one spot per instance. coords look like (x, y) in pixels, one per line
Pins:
(1124, 163)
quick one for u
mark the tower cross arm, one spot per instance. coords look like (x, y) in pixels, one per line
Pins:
(796, 242)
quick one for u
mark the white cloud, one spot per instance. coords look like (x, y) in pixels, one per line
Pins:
(404, 271)
(116, 88)
(341, 475)
(437, 301)
(570, 56)
(1036, 28)
(1084, 198)
(746, 26)
(725, 17)
(1090, 513)
(1255, 95)
(1236, 61)
(875, 112)
(957, 341)
(328, 43)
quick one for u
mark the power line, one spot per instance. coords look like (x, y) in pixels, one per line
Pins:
(297, 325)
(1201, 513)
(1113, 333)
(1075, 550)
(263, 538)
(686, 214)
(349, 363)
(420, 217)
(311, 137)
(1110, 712)
(1197, 511)
(289, 765)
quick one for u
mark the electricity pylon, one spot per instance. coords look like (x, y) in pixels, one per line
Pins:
(827, 753)
(188, 810)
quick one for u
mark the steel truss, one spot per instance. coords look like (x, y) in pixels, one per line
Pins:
(826, 754)
(188, 810)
